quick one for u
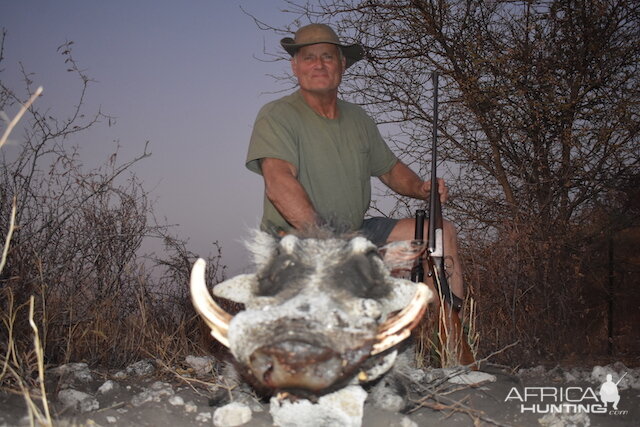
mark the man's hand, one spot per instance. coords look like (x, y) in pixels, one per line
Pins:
(403, 180)
(442, 189)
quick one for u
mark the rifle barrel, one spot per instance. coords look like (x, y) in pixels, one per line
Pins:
(434, 196)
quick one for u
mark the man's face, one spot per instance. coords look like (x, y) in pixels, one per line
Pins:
(318, 67)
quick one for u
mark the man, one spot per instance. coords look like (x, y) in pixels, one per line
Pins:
(317, 153)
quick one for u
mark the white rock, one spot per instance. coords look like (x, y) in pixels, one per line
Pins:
(471, 377)
(416, 375)
(342, 408)
(201, 365)
(79, 400)
(155, 393)
(140, 368)
(599, 373)
(176, 401)
(571, 376)
(111, 419)
(74, 371)
(565, 420)
(386, 398)
(108, 387)
(537, 371)
(89, 405)
(624, 377)
(248, 400)
(190, 407)
(233, 414)
(408, 422)
(120, 375)
(433, 374)
(203, 417)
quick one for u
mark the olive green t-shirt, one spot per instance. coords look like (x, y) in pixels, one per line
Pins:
(335, 158)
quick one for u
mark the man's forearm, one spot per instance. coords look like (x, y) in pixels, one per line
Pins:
(404, 181)
(293, 203)
(288, 196)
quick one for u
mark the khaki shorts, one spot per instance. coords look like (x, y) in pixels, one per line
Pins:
(378, 229)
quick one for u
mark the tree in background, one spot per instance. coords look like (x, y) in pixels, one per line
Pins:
(538, 126)
(77, 248)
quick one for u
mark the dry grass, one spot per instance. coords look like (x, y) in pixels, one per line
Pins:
(110, 332)
(14, 363)
(551, 294)
(72, 285)
(18, 367)
(436, 347)
(470, 324)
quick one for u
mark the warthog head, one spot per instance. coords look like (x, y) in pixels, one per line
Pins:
(319, 312)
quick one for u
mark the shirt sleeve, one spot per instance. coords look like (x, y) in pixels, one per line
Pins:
(382, 158)
(272, 136)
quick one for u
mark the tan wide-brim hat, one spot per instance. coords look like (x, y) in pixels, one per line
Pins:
(321, 33)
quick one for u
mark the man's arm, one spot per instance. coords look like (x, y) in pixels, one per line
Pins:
(287, 194)
(404, 181)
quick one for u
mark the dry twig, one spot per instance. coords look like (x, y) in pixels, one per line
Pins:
(18, 116)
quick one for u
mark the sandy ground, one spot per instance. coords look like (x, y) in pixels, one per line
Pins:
(156, 399)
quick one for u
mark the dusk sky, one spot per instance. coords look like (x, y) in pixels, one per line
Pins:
(181, 75)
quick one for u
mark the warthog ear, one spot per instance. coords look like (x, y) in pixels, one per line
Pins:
(237, 289)
(261, 245)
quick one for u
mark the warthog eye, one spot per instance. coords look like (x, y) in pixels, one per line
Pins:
(361, 275)
(284, 272)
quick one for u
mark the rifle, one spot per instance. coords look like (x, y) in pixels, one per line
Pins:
(452, 340)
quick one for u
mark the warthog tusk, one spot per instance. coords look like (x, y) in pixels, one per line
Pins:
(398, 327)
(215, 317)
